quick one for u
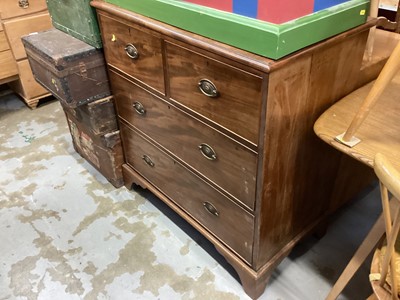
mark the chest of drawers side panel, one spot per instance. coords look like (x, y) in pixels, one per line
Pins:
(299, 170)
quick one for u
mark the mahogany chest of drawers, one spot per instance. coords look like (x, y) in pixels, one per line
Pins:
(225, 137)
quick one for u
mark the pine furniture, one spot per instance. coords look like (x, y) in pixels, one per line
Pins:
(19, 18)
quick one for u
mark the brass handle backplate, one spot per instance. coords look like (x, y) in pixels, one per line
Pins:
(132, 51)
(23, 3)
(208, 88)
(208, 152)
(211, 209)
(139, 108)
(148, 160)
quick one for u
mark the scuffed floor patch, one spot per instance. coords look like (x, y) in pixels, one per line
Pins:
(68, 234)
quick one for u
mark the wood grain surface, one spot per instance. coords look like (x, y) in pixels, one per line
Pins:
(234, 169)
(238, 105)
(148, 67)
(379, 133)
(12, 9)
(266, 108)
(16, 28)
(237, 235)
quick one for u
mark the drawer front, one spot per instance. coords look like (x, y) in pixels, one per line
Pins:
(236, 104)
(17, 28)
(119, 40)
(8, 66)
(227, 221)
(15, 8)
(3, 42)
(233, 168)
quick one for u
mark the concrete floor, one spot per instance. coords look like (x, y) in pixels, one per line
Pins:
(66, 233)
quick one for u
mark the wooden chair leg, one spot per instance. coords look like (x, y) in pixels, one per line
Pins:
(372, 297)
(373, 12)
(366, 247)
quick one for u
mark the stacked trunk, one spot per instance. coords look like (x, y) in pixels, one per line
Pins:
(75, 73)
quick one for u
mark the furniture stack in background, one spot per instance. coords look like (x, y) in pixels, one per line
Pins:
(77, 18)
(74, 72)
(19, 18)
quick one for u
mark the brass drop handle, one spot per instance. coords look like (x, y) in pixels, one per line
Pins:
(23, 3)
(211, 209)
(208, 152)
(208, 88)
(148, 160)
(132, 51)
(139, 108)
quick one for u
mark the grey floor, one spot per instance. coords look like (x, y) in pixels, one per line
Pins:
(66, 233)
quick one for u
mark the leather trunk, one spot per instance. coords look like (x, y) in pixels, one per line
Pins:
(72, 70)
(98, 116)
(103, 151)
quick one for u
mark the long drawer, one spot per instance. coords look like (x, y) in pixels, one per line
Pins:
(222, 93)
(219, 158)
(222, 217)
(134, 51)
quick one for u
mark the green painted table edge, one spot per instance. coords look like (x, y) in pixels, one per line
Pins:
(263, 38)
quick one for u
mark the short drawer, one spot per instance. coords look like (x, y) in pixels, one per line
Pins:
(133, 51)
(221, 93)
(219, 158)
(17, 28)
(223, 218)
(15, 8)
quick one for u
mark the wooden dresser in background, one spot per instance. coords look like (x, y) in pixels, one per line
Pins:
(225, 137)
(8, 67)
(21, 17)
